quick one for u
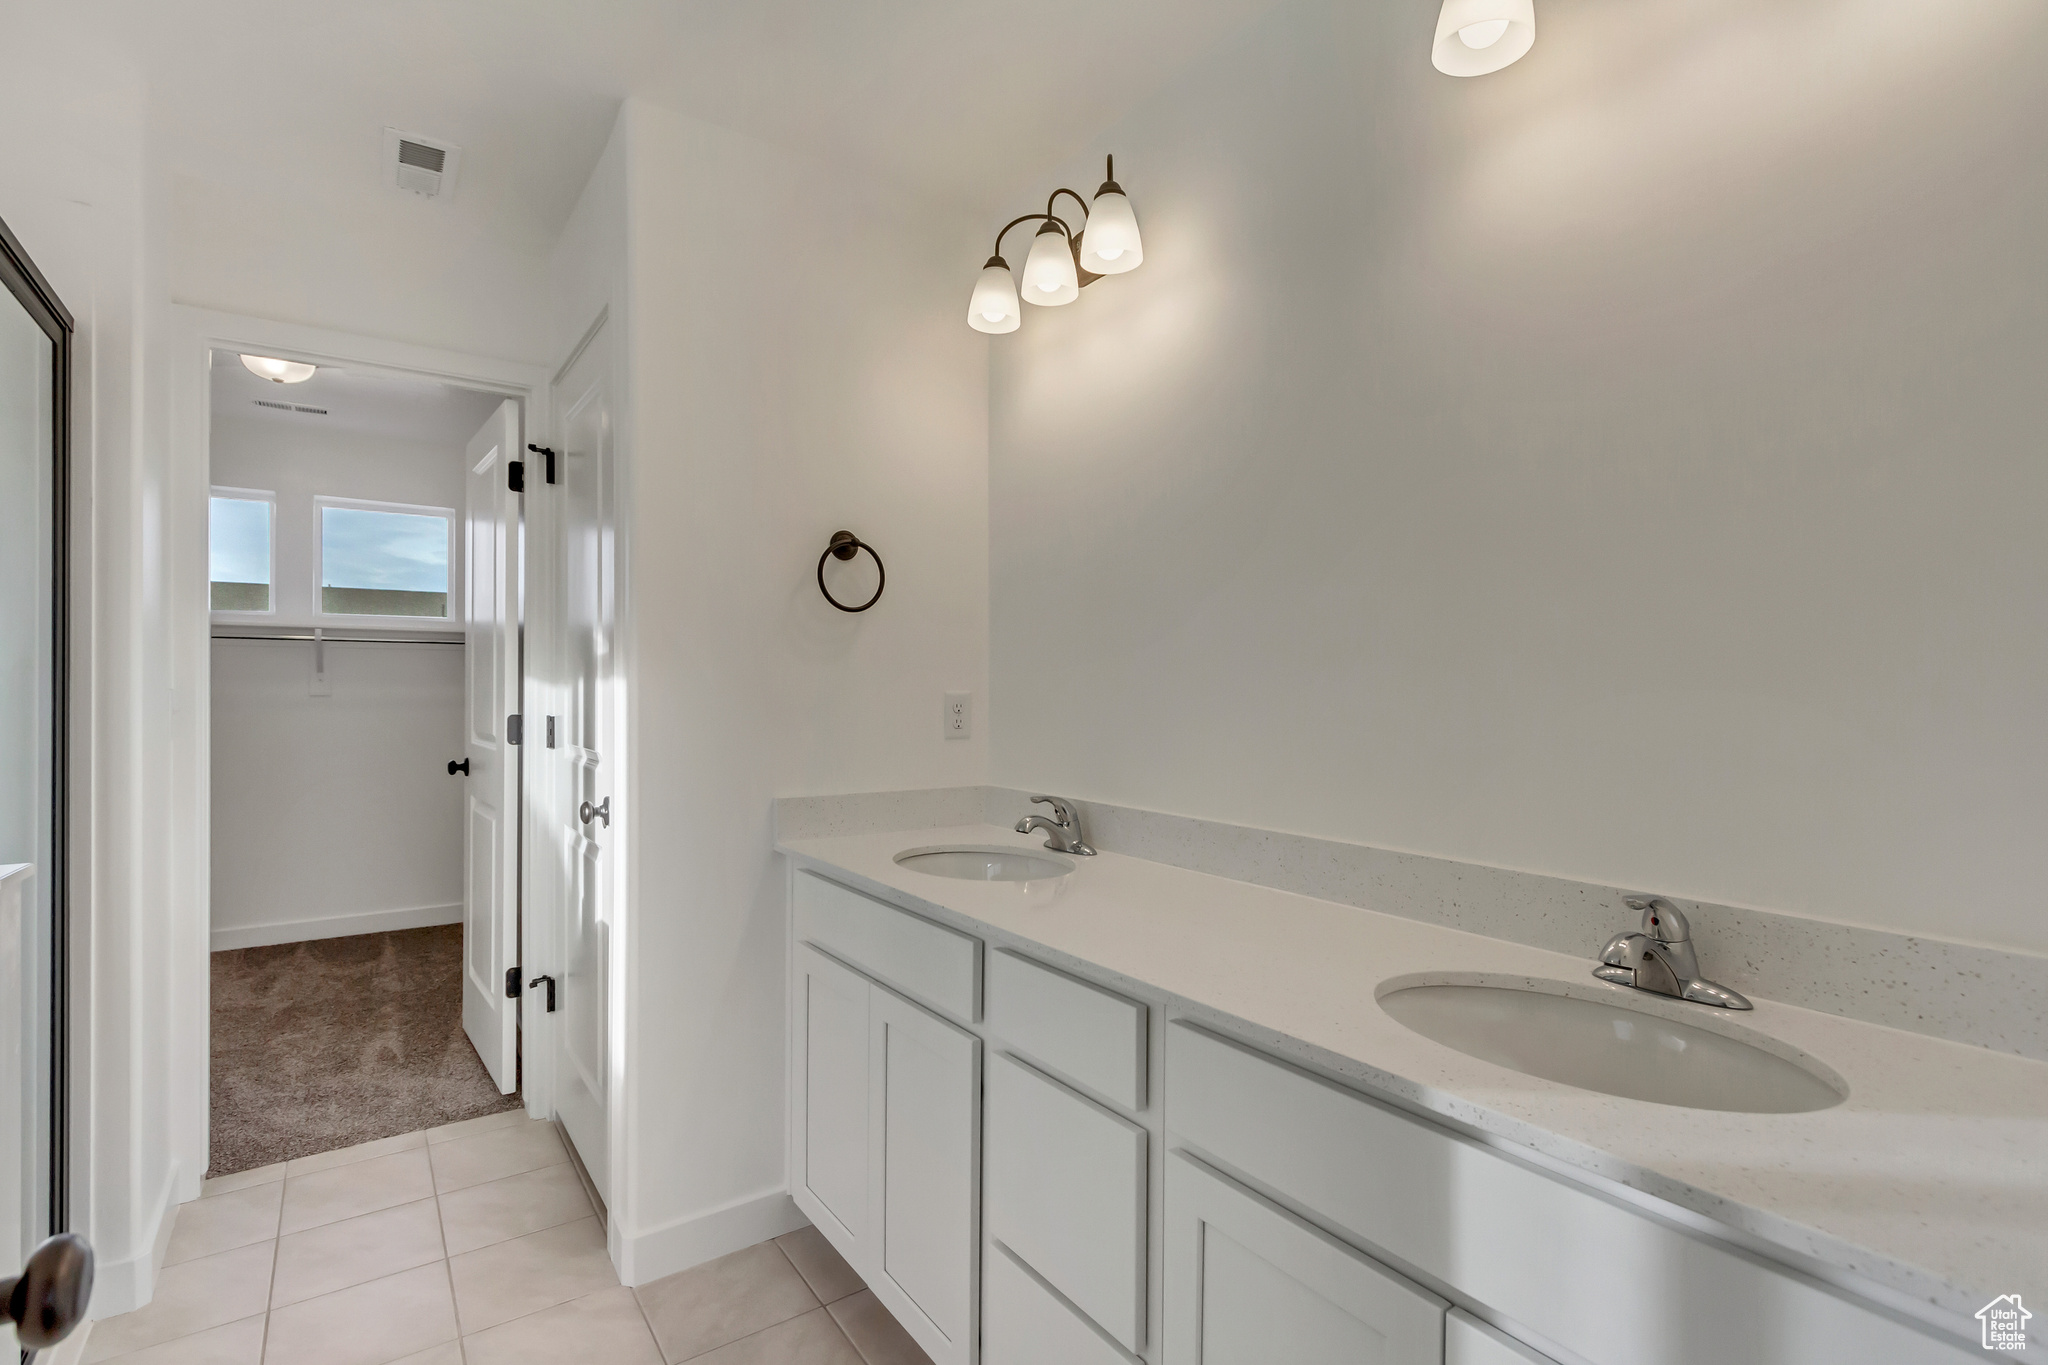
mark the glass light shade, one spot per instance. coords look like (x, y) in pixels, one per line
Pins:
(1110, 246)
(994, 305)
(279, 371)
(1049, 277)
(1475, 37)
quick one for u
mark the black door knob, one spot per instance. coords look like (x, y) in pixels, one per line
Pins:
(462, 767)
(48, 1298)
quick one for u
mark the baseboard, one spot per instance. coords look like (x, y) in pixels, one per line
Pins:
(122, 1286)
(647, 1256)
(335, 926)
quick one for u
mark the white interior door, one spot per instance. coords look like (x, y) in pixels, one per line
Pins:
(490, 888)
(584, 828)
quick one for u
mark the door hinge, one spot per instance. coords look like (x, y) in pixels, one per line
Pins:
(512, 977)
(515, 729)
(549, 455)
(551, 732)
(515, 475)
(550, 982)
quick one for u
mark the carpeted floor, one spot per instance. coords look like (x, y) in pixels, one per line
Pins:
(337, 1041)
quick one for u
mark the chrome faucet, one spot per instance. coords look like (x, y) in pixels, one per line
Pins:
(1660, 958)
(1063, 831)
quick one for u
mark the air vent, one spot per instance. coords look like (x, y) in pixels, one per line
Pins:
(422, 165)
(291, 407)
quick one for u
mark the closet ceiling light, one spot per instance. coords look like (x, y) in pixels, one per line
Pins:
(279, 371)
(1475, 37)
(1061, 261)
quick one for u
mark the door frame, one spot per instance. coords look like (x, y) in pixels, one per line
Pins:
(35, 294)
(196, 332)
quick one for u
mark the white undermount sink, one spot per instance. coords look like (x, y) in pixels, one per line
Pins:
(1538, 1029)
(984, 863)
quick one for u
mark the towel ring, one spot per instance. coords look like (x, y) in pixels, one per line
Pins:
(845, 545)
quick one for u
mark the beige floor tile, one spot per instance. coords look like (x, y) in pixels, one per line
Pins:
(605, 1326)
(238, 1218)
(367, 1324)
(448, 1353)
(471, 1127)
(494, 1155)
(241, 1180)
(813, 1339)
(355, 1250)
(512, 1207)
(700, 1309)
(511, 1279)
(822, 1267)
(238, 1343)
(360, 1187)
(880, 1339)
(209, 1292)
(348, 1156)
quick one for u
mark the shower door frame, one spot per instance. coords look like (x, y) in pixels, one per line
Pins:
(33, 292)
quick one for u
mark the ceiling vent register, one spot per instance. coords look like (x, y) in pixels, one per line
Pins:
(420, 165)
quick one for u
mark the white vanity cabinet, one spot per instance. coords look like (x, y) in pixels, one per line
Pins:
(1248, 1283)
(1032, 1167)
(885, 1109)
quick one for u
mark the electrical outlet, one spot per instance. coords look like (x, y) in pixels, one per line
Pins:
(959, 715)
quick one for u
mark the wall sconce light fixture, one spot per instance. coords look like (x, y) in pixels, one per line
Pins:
(1475, 37)
(1061, 262)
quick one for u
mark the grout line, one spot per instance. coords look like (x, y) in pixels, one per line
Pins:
(276, 1250)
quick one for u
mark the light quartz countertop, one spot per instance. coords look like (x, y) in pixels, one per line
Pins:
(1929, 1182)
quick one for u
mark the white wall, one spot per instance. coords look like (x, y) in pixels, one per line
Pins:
(335, 814)
(1626, 466)
(80, 196)
(794, 366)
(302, 783)
(395, 267)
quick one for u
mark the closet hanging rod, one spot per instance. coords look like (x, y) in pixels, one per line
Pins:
(341, 639)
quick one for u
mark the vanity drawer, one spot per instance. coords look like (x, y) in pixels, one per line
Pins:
(1090, 1036)
(1605, 1280)
(1063, 1185)
(938, 966)
(1023, 1323)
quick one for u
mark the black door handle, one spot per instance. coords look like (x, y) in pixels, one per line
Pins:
(551, 989)
(48, 1298)
(462, 767)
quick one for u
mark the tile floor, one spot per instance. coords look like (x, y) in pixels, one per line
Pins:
(472, 1244)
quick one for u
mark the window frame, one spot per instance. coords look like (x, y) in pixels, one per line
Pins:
(263, 495)
(451, 516)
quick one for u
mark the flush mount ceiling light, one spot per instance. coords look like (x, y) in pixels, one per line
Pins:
(279, 371)
(1475, 37)
(1061, 263)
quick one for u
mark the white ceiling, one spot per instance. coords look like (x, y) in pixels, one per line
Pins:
(370, 402)
(965, 100)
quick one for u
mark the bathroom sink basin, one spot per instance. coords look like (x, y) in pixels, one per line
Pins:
(1601, 1044)
(985, 864)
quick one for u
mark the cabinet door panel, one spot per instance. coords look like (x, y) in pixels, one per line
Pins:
(1468, 1341)
(1249, 1284)
(1022, 1323)
(1066, 1193)
(832, 1094)
(925, 1157)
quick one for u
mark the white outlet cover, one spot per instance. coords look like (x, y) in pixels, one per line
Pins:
(959, 717)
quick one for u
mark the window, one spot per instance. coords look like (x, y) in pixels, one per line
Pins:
(239, 525)
(384, 559)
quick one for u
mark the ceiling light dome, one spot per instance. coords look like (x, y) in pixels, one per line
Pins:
(279, 371)
(994, 305)
(1049, 276)
(1476, 37)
